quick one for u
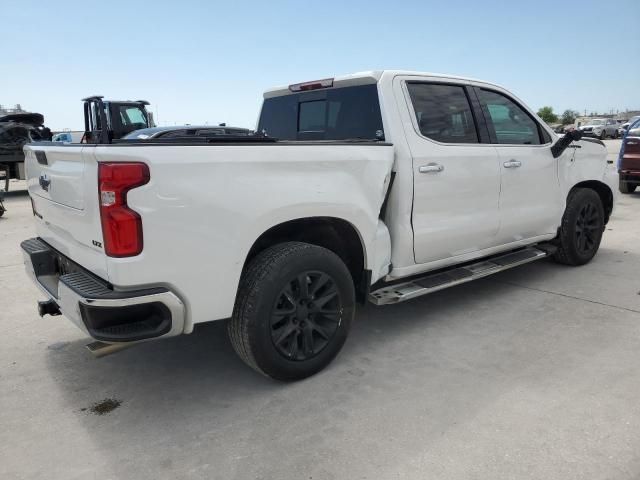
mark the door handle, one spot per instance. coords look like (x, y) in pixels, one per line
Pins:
(431, 168)
(512, 164)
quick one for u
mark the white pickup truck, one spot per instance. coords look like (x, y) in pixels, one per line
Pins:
(381, 186)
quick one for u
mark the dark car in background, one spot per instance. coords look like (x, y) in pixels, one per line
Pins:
(629, 159)
(16, 130)
(190, 131)
(622, 129)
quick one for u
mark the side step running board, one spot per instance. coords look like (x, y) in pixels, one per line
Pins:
(455, 276)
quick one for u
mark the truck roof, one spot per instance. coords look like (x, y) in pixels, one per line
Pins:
(370, 77)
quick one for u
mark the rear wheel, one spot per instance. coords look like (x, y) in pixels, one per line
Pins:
(581, 228)
(293, 311)
(626, 187)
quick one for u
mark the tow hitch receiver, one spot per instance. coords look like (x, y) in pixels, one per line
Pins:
(48, 307)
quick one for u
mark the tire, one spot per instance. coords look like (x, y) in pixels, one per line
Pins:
(581, 229)
(603, 135)
(615, 135)
(626, 187)
(278, 330)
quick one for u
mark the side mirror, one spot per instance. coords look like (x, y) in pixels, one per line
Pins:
(561, 145)
(575, 135)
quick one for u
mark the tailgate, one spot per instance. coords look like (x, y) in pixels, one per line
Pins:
(63, 185)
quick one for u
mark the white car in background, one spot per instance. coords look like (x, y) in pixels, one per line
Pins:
(600, 128)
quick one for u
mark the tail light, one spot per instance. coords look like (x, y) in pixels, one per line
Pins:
(121, 226)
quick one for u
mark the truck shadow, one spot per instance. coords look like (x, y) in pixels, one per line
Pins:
(205, 358)
(202, 361)
(429, 355)
(196, 365)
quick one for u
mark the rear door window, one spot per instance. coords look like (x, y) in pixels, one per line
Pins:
(329, 114)
(443, 112)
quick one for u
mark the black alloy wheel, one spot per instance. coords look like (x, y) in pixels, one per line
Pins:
(588, 229)
(306, 315)
(293, 310)
(581, 228)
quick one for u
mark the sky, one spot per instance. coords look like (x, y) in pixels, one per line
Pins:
(208, 61)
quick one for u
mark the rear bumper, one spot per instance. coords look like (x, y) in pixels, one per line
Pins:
(630, 176)
(95, 306)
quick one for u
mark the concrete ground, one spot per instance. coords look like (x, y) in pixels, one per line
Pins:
(530, 374)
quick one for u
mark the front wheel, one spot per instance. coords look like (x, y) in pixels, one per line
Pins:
(603, 135)
(581, 229)
(293, 310)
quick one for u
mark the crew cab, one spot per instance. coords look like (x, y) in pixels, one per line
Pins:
(378, 186)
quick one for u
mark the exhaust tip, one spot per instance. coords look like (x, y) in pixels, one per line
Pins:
(101, 349)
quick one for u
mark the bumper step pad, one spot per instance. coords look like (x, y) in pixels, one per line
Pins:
(433, 282)
(107, 314)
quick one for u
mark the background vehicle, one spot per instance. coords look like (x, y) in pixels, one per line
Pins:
(16, 130)
(186, 131)
(67, 137)
(629, 159)
(108, 120)
(385, 186)
(600, 128)
(622, 129)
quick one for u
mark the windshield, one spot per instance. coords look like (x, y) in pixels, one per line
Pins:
(595, 122)
(328, 114)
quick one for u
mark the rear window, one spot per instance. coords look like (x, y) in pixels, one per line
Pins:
(328, 114)
(443, 112)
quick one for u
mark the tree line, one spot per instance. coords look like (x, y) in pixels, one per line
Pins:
(568, 117)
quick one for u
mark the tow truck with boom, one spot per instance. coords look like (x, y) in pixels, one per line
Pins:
(108, 120)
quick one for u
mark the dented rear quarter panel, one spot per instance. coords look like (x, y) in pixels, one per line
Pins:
(206, 205)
